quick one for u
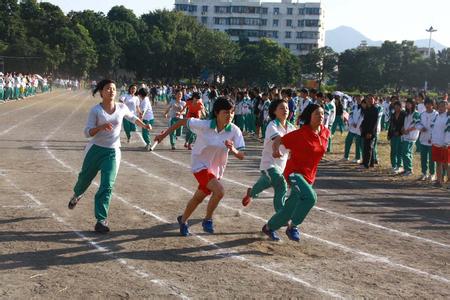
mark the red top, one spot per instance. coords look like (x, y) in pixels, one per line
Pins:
(307, 149)
(194, 110)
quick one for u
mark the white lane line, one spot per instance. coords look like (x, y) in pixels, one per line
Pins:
(30, 105)
(370, 257)
(143, 274)
(391, 230)
(223, 252)
(163, 220)
(104, 250)
(22, 122)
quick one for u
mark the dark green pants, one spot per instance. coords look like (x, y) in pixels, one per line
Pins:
(396, 152)
(407, 155)
(128, 127)
(146, 133)
(297, 206)
(178, 132)
(348, 145)
(107, 161)
(427, 164)
(272, 177)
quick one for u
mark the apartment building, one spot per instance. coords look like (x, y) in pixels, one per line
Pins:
(295, 25)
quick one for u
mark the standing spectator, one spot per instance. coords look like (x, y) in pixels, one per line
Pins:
(396, 122)
(369, 131)
(410, 135)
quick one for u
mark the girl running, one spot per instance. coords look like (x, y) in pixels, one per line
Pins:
(132, 102)
(147, 116)
(102, 153)
(307, 146)
(175, 114)
(272, 168)
(195, 109)
(215, 139)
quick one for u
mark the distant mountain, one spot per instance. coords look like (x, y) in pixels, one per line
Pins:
(344, 37)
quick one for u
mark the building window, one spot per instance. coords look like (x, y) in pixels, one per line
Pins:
(222, 9)
(311, 23)
(312, 11)
(287, 46)
(289, 10)
(276, 10)
(287, 34)
(275, 23)
(307, 35)
(301, 11)
(289, 23)
(264, 10)
(192, 8)
(204, 20)
(205, 8)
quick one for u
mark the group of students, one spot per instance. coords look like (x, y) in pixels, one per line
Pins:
(289, 159)
(15, 86)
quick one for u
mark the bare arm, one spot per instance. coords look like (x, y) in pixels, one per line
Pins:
(276, 147)
(171, 129)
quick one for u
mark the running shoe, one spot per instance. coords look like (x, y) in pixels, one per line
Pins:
(102, 227)
(272, 234)
(293, 233)
(173, 147)
(247, 198)
(208, 226)
(407, 173)
(184, 227)
(74, 200)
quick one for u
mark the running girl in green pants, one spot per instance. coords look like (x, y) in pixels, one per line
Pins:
(132, 102)
(272, 168)
(102, 153)
(307, 146)
(175, 114)
(147, 116)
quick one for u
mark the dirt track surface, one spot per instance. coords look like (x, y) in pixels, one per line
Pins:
(369, 236)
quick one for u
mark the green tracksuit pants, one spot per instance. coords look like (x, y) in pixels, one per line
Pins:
(176, 133)
(146, 133)
(128, 127)
(107, 161)
(348, 145)
(427, 164)
(272, 177)
(407, 155)
(297, 206)
(396, 151)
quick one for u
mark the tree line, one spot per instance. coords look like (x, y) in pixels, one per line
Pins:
(170, 46)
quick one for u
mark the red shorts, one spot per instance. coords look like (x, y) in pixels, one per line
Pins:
(440, 154)
(203, 177)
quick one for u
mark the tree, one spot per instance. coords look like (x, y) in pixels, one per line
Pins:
(320, 63)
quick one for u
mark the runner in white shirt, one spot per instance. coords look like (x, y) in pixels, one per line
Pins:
(146, 115)
(102, 152)
(215, 139)
(426, 120)
(132, 102)
(272, 168)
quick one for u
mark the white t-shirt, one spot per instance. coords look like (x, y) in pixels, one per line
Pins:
(439, 133)
(146, 109)
(98, 116)
(131, 102)
(209, 151)
(426, 120)
(273, 130)
(421, 108)
(176, 108)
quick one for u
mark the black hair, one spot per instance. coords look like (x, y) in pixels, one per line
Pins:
(313, 91)
(319, 95)
(304, 90)
(413, 106)
(397, 103)
(273, 107)
(130, 86)
(142, 92)
(196, 95)
(101, 84)
(307, 113)
(222, 103)
(428, 100)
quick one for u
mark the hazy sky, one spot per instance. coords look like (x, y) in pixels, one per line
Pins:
(376, 19)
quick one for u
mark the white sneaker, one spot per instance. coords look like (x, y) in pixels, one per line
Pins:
(433, 178)
(400, 170)
(345, 159)
(424, 177)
